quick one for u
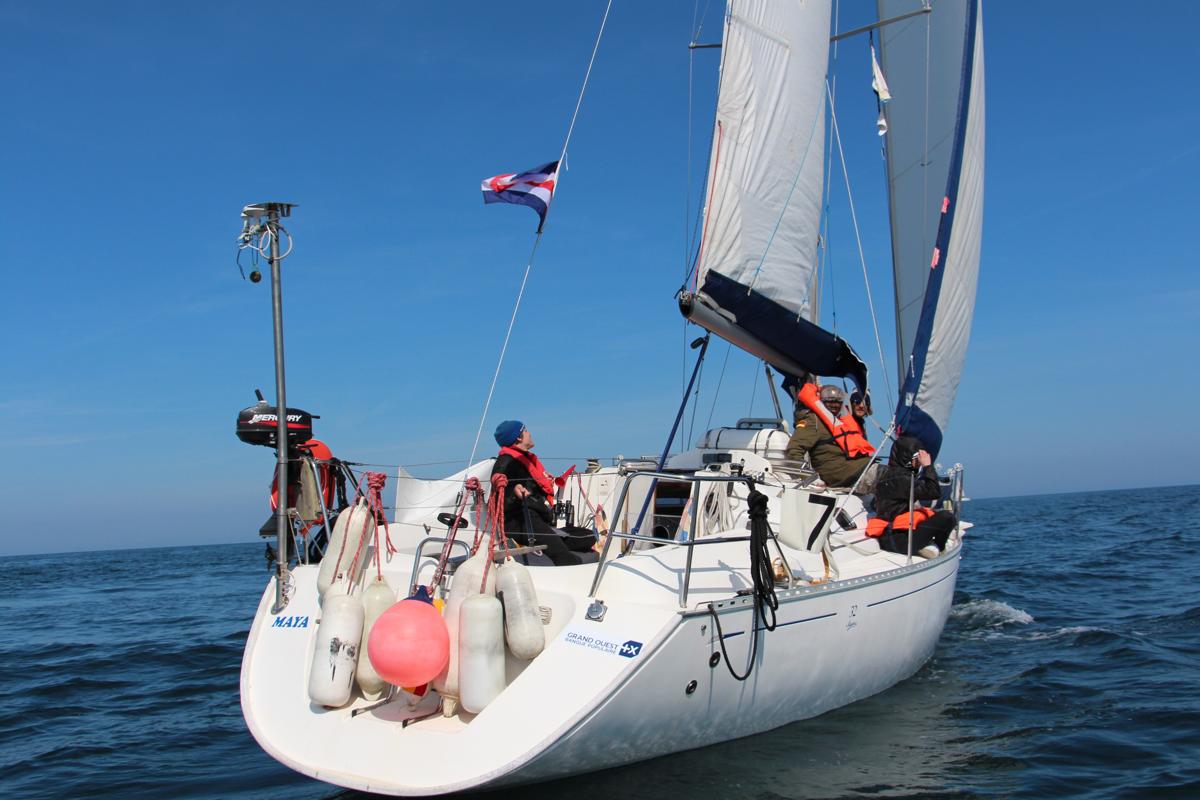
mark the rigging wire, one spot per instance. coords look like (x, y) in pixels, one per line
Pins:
(714, 155)
(695, 403)
(687, 192)
(858, 239)
(720, 380)
(538, 238)
(586, 77)
(504, 349)
(692, 220)
(753, 393)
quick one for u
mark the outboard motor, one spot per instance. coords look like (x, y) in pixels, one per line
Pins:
(258, 424)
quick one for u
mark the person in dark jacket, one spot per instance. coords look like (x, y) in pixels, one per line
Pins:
(909, 465)
(529, 498)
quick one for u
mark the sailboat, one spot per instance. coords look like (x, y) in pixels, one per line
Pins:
(735, 592)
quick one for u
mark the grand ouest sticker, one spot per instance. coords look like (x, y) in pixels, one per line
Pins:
(626, 649)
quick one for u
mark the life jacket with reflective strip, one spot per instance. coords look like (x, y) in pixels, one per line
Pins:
(844, 432)
(878, 526)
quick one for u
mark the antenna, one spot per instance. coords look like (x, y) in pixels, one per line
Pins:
(261, 231)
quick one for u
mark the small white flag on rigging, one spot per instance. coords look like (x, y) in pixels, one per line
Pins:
(879, 84)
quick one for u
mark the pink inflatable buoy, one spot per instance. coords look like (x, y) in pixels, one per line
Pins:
(409, 644)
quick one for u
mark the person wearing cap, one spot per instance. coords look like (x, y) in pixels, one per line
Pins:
(834, 445)
(529, 498)
(860, 409)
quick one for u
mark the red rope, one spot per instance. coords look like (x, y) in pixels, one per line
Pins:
(375, 483)
(495, 523)
(471, 488)
(480, 516)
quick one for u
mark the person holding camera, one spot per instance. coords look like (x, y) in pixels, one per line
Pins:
(910, 468)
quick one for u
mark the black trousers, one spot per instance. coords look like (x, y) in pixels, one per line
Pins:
(935, 530)
(561, 546)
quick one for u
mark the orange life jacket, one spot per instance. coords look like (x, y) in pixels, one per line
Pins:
(853, 441)
(541, 476)
(320, 452)
(844, 432)
(878, 526)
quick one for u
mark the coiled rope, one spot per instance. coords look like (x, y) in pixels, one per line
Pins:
(762, 577)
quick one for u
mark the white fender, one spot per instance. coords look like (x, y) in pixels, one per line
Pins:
(331, 675)
(522, 621)
(352, 527)
(480, 651)
(466, 581)
(377, 598)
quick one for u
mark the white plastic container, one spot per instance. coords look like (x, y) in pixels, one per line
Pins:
(522, 621)
(331, 676)
(465, 583)
(480, 652)
(377, 598)
(353, 527)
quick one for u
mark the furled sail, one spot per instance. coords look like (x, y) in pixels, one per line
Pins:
(758, 250)
(935, 142)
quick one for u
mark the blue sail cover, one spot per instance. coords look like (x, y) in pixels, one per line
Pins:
(935, 145)
(762, 212)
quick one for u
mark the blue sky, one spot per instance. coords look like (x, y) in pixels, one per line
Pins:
(134, 132)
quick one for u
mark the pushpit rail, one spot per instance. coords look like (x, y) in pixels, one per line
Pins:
(696, 479)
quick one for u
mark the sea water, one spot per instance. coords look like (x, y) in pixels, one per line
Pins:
(1070, 666)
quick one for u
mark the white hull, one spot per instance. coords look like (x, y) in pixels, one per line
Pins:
(828, 650)
(615, 691)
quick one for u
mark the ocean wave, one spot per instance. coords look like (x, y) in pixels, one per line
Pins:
(982, 614)
(1074, 630)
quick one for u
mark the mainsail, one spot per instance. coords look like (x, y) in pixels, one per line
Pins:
(935, 142)
(758, 250)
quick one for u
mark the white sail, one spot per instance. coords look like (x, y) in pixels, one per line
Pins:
(935, 146)
(758, 251)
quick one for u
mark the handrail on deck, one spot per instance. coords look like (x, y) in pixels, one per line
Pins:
(695, 479)
(417, 555)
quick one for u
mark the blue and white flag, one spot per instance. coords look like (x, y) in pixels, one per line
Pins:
(533, 188)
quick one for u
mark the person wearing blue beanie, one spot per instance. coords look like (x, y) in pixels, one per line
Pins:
(529, 499)
(508, 432)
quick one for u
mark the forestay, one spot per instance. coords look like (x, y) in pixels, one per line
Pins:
(935, 143)
(758, 249)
